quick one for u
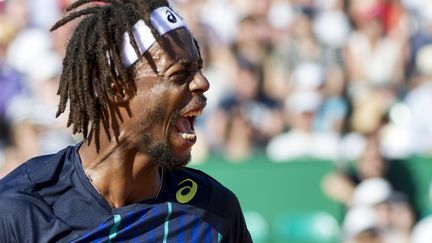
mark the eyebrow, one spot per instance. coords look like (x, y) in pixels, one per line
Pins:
(184, 63)
(188, 63)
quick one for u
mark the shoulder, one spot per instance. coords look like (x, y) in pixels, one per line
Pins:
(21, 184)
(195, 187)
(221, 200)
(225, 212)
(37, 170)
(28, 218)
(19, 190)
(18, 206)
(217, 189)
(13, 210)
(222, 207)
(21, 214)
(26, 215)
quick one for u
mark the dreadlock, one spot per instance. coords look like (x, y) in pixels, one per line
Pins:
(92, 62)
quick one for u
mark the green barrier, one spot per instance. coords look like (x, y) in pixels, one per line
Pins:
(272, 189)
(294, 188)
(420, 171)
(306, 227)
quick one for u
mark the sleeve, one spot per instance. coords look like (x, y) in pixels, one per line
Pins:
(226, 205)
(25, 219)
(9, 231)
(223, 211)
(237, 231)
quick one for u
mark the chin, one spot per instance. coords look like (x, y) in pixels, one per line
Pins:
(176, 161)
(183, 161)
(173, 164)
(177, 164)
(165, 157)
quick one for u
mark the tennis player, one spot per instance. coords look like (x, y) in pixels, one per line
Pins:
(133, 86)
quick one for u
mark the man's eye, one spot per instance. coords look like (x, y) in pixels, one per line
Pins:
(182, 76)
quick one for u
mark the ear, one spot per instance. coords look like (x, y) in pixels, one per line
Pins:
(120, 94)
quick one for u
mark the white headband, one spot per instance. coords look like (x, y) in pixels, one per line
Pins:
(163, 20)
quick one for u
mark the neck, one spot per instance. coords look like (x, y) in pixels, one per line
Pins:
(121, 174)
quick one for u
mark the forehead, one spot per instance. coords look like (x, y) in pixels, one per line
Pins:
(176, 46)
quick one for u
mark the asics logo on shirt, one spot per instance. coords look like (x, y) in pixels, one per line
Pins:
(187, 192)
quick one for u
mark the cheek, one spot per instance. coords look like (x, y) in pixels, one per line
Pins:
(149, 95)
(157, 101)
(153, 113)
(171, 96)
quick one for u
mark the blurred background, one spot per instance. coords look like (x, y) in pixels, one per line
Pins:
(319, 113)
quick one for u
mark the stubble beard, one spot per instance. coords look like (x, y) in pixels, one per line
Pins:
(161, 153)
(164, 156)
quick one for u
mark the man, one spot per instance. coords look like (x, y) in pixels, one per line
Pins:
(132, 79)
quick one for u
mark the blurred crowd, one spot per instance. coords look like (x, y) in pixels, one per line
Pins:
(341, 80)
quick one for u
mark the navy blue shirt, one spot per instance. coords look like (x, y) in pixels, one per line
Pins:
(49, 199)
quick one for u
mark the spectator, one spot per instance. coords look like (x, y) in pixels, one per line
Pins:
(360, 226)
(10, 81)
(375, 70)
(246, 119)
(340, 185)
(302, 140)
(389, 215)
(421, 232)
(418, 99)
(334, 110)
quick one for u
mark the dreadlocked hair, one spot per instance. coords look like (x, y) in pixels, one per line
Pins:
(93, 63)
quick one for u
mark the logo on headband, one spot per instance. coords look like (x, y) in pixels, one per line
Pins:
(163, 20)
(171, 17)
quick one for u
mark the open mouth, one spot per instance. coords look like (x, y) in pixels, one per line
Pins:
(184, 126)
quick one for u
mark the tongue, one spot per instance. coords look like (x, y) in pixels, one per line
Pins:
(183, 125)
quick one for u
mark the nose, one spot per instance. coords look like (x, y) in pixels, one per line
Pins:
(199, 83)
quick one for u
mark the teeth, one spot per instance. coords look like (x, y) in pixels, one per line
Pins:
(193, 113)
(187, 136)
